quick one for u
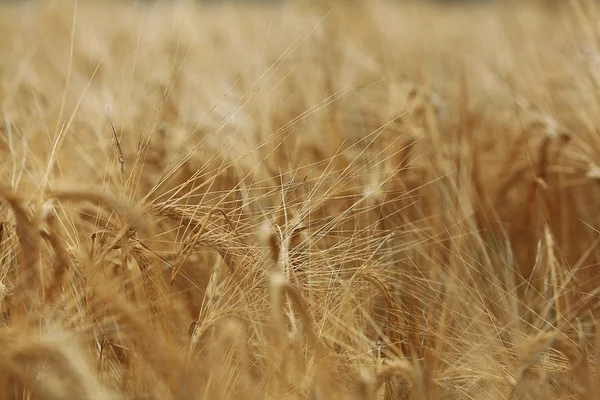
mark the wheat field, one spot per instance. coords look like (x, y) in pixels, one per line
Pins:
(299, 200)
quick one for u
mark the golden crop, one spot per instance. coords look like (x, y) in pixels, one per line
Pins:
(299, 200)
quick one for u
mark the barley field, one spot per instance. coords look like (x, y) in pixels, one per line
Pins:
(299, 200)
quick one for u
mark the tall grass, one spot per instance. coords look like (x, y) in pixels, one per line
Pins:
(300, 200)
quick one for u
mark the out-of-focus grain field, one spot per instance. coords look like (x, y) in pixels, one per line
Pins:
(303, 200)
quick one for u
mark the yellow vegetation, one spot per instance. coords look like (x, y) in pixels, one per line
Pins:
(362, 200)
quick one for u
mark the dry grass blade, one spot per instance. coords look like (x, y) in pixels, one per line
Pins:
(118, 142)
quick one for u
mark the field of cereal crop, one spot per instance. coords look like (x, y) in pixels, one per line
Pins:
(299, 200)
